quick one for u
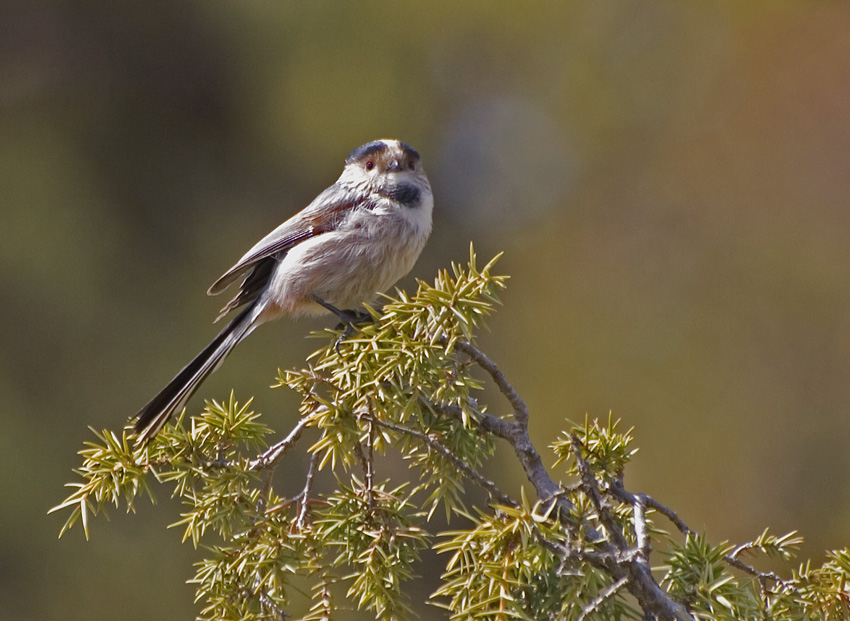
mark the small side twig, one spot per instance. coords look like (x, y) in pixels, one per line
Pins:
(271, 456)
(604, 595)
(266, 462)
(367, 464)
(303, 498)
(369, 457)
(517, 436)
(486, 422)
(270, 607)
(468, 472)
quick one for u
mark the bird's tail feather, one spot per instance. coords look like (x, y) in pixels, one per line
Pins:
(174, 396)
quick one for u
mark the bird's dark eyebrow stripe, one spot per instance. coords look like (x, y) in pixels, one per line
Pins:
(410, 151)
(365, 151)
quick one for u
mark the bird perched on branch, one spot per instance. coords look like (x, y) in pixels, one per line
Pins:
(356, 239)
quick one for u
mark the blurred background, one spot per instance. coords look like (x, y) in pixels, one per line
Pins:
(668, 180)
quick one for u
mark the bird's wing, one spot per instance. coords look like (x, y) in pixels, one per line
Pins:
(322, 215)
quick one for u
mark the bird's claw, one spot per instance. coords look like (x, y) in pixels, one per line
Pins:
(353, 318)
(348, 318)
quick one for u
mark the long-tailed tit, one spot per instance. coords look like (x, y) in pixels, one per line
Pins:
(357, 238)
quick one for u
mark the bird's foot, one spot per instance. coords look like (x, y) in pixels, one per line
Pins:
(348, 320)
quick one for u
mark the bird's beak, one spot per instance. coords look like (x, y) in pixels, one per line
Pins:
(394, 166)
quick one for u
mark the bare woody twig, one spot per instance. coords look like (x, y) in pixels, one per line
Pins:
(643, 541)
(604, 595)
(468, 472)
(486, 422)
(271, 457)
(481, 359)
(303, 497)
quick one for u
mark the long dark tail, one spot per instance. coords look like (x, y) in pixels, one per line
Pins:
(174, 396)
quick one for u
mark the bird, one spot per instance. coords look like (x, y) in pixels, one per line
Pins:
(355, 240)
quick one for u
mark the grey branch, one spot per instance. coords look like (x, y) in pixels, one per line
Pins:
(303, 498)
(271, 456)
(481, 359)
(644, 544)
(604, 595)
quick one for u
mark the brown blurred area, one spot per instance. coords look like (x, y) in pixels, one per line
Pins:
(669, 182)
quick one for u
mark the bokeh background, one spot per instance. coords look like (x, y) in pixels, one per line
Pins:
(668, 180)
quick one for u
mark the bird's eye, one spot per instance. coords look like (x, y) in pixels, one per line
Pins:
(411, 166)
(370, 165)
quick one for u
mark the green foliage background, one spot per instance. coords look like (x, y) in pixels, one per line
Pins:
(668, 180)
